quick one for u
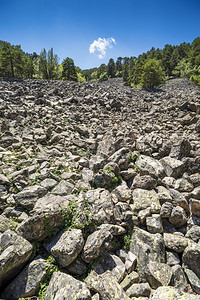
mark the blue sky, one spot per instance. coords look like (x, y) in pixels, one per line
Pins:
(70, 27)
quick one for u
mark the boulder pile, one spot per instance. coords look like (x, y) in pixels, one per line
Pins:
(99, 191)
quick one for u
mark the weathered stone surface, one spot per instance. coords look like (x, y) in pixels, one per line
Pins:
(123, 193)
(195, 207)
(150, 166)
(158, 274)
(191, 258)
(147, 247)
(154, 224)
(63, 188)
(144, 182)
(112, 263)
(6, 224)
(178, 279)
(131, 278)
(193, 280)
(100, 205)
(175, 242)
(193, 233)
(29, 196)
(139, 290)
(168, 292)
(66, 246)
(14, 253)
(64, 286)
(183, 185)
(145, 198)
(47, 215)
(95, 244)
(178, 217)
(106, 285)
(172, 258)
(173, 167)
(28, 280)
(166, 210)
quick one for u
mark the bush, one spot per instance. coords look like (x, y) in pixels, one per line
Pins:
(152, 74)
(195, 79)
(103, 77)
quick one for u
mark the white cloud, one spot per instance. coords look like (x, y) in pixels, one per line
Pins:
(100, 46)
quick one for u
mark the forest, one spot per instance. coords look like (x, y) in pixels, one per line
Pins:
(148, 70)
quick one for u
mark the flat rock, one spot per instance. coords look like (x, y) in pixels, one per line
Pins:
(173, 167)
(143, 199)
(14, 253)
(63, 286)
(28, 281)
(158, 274)
(29, 196)
(66, 246)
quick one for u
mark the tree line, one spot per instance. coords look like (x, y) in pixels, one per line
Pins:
(149, 69)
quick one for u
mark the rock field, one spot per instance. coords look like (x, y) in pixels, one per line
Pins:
(99, 191)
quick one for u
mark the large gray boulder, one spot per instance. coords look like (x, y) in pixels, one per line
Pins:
(28, 281)
(14, 253)
(95, 244)
(66, 246)
(191, 258)
(47, 216)
(150, 166)
(143, 199)
(29, 196)
(173, 167)
(101, 207)
(65, 287)
(147, 247)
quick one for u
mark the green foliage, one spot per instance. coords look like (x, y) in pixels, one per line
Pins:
(103, 77)
(152, 75)
(195, 79)
(127, 240)
(69, 71)
(48, 64)
(185, 69)
(111, 68)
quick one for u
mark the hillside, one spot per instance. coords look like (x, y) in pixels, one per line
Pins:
(99, 190)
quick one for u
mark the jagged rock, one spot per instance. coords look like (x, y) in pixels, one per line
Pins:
(130, 262)
(103, 179)
(191, 258)
(112, 263)
(172, 258)
(147, 247)
(193, 233)
(47, 216)
(48, 183)
(183, 185)
(143, 199)
(64, 286)
(150, 166)
(180, 149)
(29, 196)
(173, 167)
(100, 205)
(106, 285)
(63, 188)
(158, 274)
(66, 246)
(168, 292)
(166, 210)
(154, 224)
(95, 244)
(139, 290)
(195, 207)
(77, 267)
(178, 217)
(14, 253)
(28, 281)
(193, 280)
(144, 182)
(123, 193)
(178, 279)
(175, 242)
(131, 278)
(6, 224)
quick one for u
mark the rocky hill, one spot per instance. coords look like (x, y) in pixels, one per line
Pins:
(99, 190)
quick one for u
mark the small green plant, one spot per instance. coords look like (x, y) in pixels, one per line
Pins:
(127, 240)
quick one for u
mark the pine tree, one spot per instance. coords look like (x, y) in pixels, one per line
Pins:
(69, 71)
(111, 68)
